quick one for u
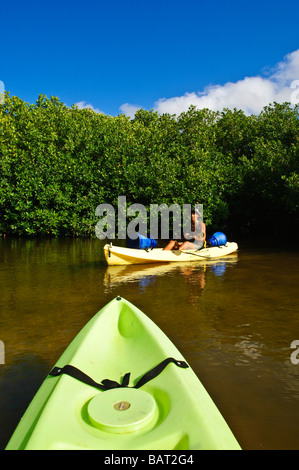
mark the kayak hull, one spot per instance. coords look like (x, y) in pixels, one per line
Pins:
(171, 411)
(116, 256)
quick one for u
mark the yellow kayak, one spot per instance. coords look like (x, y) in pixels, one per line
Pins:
(116, 255)
(122, 385)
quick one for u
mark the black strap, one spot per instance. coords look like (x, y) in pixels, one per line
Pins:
(108, 384)
(79, 375)
(158, 369)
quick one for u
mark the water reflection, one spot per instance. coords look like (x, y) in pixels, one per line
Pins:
(146, 275)
(249, 348)
(115, 275)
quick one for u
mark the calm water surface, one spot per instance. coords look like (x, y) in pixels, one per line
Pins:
(233, 321)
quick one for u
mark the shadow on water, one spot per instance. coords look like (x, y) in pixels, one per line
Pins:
(233, 320)
(18, 385)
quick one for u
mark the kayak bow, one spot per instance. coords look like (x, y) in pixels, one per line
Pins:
(122, 384)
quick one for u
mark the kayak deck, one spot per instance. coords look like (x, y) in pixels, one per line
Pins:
(172, 410)
(116, 255)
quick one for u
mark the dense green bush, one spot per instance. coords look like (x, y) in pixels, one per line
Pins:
(57, 164)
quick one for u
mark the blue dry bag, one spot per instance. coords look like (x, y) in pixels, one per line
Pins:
(142, 243)
(217, 239)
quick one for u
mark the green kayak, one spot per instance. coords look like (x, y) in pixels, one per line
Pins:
(122, 385)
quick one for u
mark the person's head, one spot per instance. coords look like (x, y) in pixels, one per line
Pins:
(196, 216)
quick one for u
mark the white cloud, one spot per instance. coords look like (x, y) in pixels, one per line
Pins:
(250, 94)
(287, 70)
(84, 105)
(129, 109)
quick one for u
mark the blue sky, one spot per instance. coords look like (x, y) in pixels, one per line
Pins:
(117, 56)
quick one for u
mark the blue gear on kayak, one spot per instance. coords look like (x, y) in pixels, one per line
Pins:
(108, 384)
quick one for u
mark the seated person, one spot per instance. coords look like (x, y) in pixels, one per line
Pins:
(188, 243)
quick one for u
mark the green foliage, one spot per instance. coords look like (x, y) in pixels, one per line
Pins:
(57, 164)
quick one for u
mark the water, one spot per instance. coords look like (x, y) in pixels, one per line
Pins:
(233, 321)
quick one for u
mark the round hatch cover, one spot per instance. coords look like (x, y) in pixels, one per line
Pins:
(121, 410)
